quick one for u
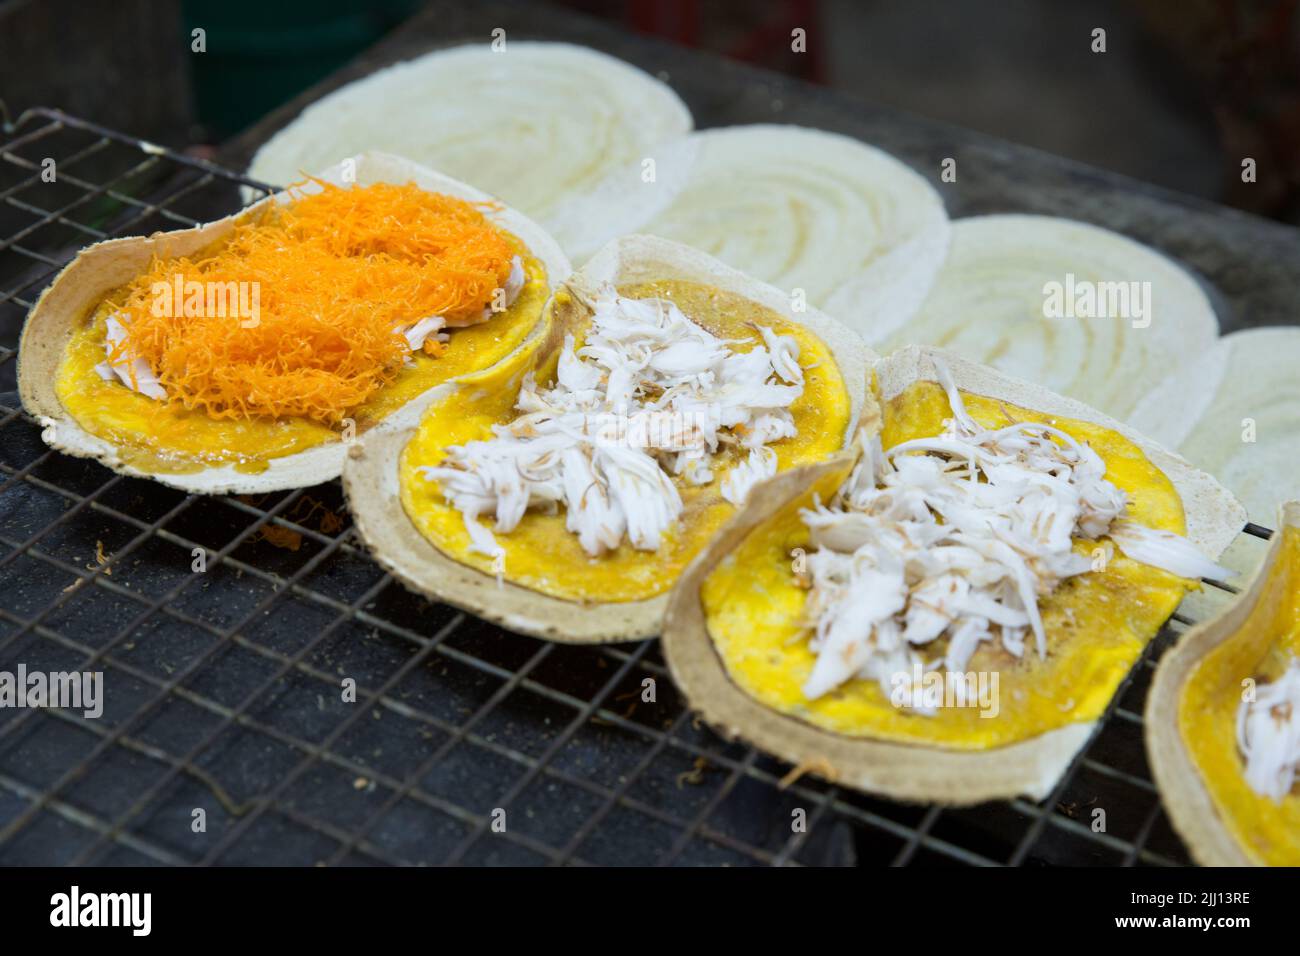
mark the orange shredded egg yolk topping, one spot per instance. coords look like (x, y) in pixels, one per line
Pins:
(337, 272)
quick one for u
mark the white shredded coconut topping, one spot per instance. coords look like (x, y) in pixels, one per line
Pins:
(957, 536)
(417, 332)
(649, 395)
(127, 365)
(1268, 734)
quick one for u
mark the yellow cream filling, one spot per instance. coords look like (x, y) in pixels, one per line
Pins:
(1096, 624)
(1268, 831)
(540, 553)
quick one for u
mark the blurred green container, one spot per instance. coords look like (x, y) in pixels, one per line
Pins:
(260, 55)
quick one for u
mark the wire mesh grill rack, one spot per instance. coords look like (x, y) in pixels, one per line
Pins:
(222, 688)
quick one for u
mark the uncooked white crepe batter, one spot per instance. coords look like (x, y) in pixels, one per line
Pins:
(531, 124)
(1235, 412)
(988, 304)
(859, 233)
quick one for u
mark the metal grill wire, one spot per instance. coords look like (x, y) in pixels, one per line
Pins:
(222, 688)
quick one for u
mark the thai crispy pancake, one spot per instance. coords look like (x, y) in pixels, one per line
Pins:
(1192, 713)
(88, 414)
(736, 638)
(544, 582)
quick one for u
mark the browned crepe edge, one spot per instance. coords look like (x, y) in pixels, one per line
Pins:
(1190, 807)
(81, 286)
(370, 475)
(903, 771)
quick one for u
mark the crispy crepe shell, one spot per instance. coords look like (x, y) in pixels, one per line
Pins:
(370, 475)
(905, 771)
(1188, 802)
(82, 285)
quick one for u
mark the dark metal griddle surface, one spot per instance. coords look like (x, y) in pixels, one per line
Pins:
(223, 687)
